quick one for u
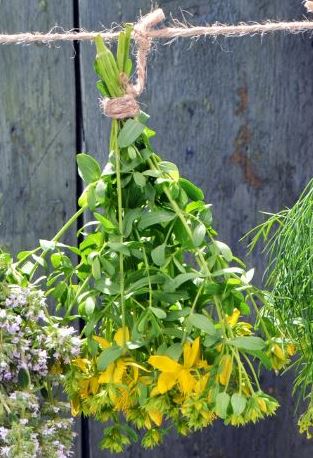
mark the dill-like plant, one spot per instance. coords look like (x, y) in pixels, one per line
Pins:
(288, 238)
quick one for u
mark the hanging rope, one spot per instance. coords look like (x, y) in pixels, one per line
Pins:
(177, 30)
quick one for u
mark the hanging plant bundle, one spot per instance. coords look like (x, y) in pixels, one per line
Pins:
(34, 350)
(288, 238)
(165, 342)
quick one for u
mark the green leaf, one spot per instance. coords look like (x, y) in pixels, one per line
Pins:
(159, 313)
(39, 260)
(155, 217)
(24, 254)
(96, 268)
(107, 266)
(88, 168)
(203, 323)
(107, 287)
(107, 225)
(108, 356)
(47, 244)
(175, 315)
(101, 190)
(59, 290)
(139, 179)
(174, 351)
(130, 216)
(90, 305)
(195, 206)
(56, 259)
(199, 234)
(119, 247)
(238, 403)
(172, 284)
(170, 169)
(23, 378)
(129, 133)
(209, 341)
(227, 271)
(193, 192)
(224, 250)
(91, 198)
(222, 403)
(248, 276)
(248, 343)
(158, 255)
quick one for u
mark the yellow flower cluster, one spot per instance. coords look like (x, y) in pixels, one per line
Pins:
(190, 392)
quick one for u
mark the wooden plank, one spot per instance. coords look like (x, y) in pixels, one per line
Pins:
(37, 128)
(235, 115)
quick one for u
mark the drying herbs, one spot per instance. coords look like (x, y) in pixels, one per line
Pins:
(288, 237)
(166, 342)
(34, 349)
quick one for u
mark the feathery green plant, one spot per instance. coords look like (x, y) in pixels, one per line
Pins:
(288, 237)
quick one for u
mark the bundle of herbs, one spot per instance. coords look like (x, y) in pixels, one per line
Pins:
(34, 349)
(288, 238)
(164, 342)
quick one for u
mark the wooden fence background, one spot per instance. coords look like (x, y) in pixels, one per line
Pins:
(235, 115)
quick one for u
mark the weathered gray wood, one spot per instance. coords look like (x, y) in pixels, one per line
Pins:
(37, 128)
(235, 115)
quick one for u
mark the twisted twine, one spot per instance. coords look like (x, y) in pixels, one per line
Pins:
(127, 105)
(143, 34)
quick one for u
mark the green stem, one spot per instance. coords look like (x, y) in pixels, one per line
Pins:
(252, 371)
(192, 311)
(114, 147)
(147, 268)
(56, 238)
(256, 309)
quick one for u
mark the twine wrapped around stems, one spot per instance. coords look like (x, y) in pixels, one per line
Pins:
(127, 106)
(309, 6)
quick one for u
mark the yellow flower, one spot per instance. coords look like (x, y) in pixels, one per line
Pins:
(88, 386)
(233, 318)
(173, 373)
(156, 416)
(121, 336)
(75, 406)
(225, 369)
(291, 349)
(81, 363)
(242, 328)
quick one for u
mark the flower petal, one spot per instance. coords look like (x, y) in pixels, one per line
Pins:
(94, 385)
(119, 371)
(191, 353)
(164, 363)
(122, 336)
(225, 369)
(156, 416)
(81, 363)
(104, 343)
(166, 381)
(107, 375)
(186, 381)
(233, 318)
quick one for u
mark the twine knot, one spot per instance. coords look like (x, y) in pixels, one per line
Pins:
(309, 6)
(127, 105)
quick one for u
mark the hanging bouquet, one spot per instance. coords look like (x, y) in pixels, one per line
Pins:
(173, 328)
(34, 351)
(165, 342)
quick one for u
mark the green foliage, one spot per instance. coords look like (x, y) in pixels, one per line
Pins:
(156, 290)
(287, 236)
